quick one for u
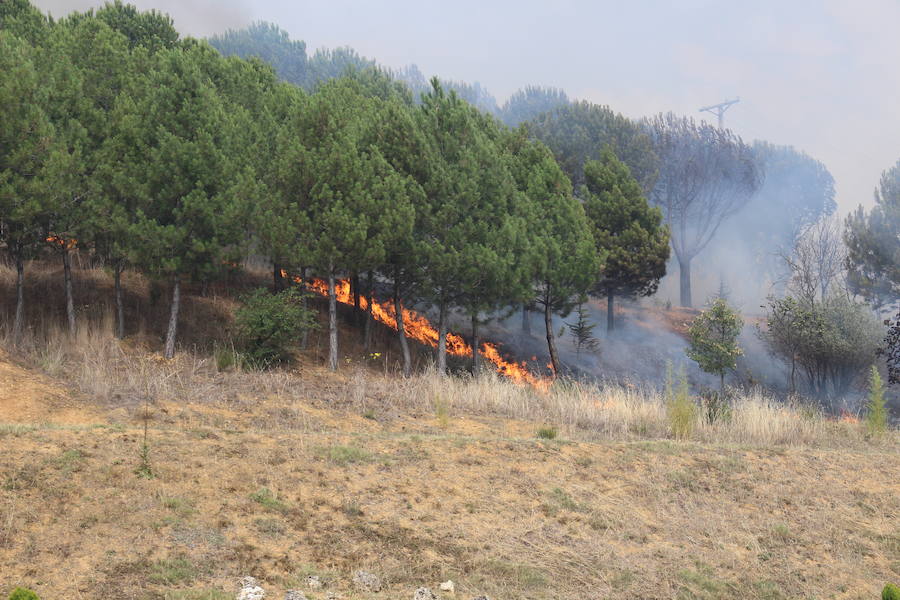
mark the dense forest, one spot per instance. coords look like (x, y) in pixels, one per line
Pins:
(179, 158)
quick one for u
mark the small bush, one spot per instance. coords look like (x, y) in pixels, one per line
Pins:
(547, 433)
(876, 416)
(26, 594)
(266, 498)
(269, 325)
(345, 455)
(680, 407)
(716, 405)
(890, 592)
(172, 571)
(227, 357)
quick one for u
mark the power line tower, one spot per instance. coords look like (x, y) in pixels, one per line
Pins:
(719, 109)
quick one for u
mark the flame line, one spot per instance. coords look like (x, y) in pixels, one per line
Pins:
(419, 328)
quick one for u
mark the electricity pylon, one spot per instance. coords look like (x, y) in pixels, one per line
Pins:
(719, 109)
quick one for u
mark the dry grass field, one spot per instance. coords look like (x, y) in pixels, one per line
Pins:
(577, 492)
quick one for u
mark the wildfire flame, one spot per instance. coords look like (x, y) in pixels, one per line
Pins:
(61, 242)
(419, 328)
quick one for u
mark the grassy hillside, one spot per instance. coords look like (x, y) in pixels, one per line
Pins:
(576, 492)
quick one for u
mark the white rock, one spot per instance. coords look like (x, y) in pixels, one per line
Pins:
(250, 589)
(294, 595)
(314, 582)
(448, 586)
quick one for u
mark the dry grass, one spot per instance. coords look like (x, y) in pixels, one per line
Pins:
(295, 472)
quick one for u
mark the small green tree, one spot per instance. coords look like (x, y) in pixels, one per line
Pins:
(890, 592)
(583, 332)
(269, 325)
(876, 414)
(713, 339)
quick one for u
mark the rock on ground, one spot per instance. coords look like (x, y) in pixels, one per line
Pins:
(367, 580)
(423, 593)
(294, 595)
(314, 582)
(250, 589)
(448, 586)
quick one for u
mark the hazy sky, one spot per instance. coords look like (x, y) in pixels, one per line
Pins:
(821, 75)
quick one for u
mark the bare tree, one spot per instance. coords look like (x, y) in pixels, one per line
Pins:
(816, 263)
(706, 175)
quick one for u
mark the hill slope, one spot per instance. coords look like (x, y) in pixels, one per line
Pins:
(288, 475)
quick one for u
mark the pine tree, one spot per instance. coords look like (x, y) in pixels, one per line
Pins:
(560, 257)
(627, 229)
(29, 158)
(583, 332)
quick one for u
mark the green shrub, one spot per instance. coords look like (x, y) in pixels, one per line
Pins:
(716, 405)
(680, 407)
(26, 594)
(266, 498)
(345, 455)
(269, 325)
(876, 417)
(547, 433)
(227, 357)
(890, 592)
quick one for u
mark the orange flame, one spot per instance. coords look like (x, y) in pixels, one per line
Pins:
(419, 328)
(848, 417)
(61, 242)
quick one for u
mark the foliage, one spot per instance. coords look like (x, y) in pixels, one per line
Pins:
(876, 411)
(873, 244)
(890, 592)
(268, 326)
(578, 132)
(265, 498)
(529, 102)
(582, 331)
(680, 407)
(23, 594)
(831, 341)
(627, 230)
(713, 339)
(547, 433)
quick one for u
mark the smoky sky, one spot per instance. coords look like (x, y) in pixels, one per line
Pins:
(820, 75)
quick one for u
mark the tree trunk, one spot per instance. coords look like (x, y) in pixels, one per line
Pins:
(304, 302)
(367, 326)
(610, 313)
(684, 272)
(173, 319)
(793, 371)
(404, 345)
(70, 300)
(475, 344)
(551, 338)
(120, 304)
(722, 381)
(277, 278)
(526, 320)
(19, 322)
(442, 339)
(332, 322)
(354, 286)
